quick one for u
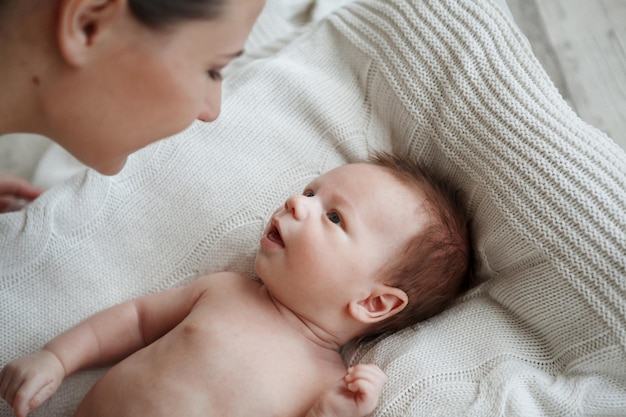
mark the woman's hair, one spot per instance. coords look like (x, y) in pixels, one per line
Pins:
(161, 13)
(436, 265)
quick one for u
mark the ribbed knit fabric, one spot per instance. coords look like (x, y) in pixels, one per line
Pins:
(450, 81)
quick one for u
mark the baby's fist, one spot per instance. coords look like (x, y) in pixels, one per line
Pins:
(366, 382)
(27, 382)
(355, 395)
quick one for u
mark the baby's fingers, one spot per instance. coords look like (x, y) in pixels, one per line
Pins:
(9, 384)
(27, 395)
(29, 402)
(15, 396)
(366, 382)
(366, 373)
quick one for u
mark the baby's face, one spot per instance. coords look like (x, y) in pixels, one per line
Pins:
(323, 245)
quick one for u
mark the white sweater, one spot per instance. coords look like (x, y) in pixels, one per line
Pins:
(450, 81)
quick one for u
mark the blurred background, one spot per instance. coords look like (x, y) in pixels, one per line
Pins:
(582, 46)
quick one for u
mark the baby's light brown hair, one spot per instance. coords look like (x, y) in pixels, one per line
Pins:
(435, 266)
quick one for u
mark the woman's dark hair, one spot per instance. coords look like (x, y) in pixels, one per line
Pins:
(162, 13)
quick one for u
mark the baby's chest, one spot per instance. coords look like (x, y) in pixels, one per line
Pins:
(241, 339)
(242, 368)
(246, 357)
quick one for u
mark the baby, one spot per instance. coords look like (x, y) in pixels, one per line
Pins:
(368, 248)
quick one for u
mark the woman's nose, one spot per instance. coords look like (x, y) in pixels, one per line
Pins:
(298, 206)
(211, 105)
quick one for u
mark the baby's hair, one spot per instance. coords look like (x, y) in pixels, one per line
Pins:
(164, 13)
(435, 267)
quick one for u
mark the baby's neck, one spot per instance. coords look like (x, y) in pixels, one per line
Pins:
(314, 332)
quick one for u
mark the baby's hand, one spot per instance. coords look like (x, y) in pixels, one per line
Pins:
(355, 395)
(27, 382)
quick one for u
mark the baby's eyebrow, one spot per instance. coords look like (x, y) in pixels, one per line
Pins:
(311, 185)
(343, 202)
(335, 197)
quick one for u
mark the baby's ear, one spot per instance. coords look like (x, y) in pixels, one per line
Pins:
(82, 23)
(382, 303)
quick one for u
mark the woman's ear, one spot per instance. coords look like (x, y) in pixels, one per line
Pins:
(382, 303)
(82, 24)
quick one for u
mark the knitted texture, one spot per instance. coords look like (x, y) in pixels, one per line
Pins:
(453, 83)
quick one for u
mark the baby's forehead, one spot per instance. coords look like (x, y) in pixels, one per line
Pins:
(357, 170)
(378, 190)
(367, 179)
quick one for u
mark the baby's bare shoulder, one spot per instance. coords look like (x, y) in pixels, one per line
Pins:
(223, 280)
(228, 290)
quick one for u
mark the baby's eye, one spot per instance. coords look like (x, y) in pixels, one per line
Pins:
(215, 75)
(334, 217)
(308, 193)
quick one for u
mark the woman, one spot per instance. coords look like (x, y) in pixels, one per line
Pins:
(104, 78)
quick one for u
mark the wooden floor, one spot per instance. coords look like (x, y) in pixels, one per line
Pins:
(582, 45)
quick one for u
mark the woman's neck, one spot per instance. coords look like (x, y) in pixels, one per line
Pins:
(18, 109)
(25, 54)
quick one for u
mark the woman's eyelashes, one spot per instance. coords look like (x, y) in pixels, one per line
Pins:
(215, 75)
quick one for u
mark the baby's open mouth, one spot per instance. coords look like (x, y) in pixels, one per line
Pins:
(273, 234)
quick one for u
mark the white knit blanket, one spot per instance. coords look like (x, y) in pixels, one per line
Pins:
(451, 81)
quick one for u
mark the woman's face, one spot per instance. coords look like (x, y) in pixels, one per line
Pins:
(146, 85)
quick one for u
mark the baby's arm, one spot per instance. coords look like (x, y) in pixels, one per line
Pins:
(355, 395)
(102, 339)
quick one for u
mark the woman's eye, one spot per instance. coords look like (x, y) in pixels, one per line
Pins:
(334, 217)
(308, 193)
(215, 75)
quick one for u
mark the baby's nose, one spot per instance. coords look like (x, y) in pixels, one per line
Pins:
(297, 205)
